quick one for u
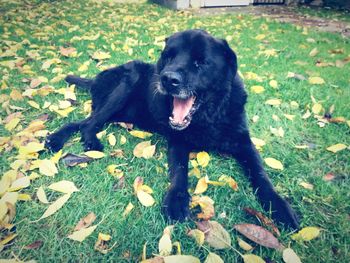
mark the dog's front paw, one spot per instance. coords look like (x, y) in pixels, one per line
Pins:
(54, 142)
(93, 145)
(283, 213)
(176, 205)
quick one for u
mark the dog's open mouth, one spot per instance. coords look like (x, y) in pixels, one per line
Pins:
(183, 110)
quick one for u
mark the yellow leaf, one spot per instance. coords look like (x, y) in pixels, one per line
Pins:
(203, 158)
(244, 245)
(145, 198)
(138, 182)
(33, 104)
(196, 172)
(47, 167)
(273, 102)
(32, 147)
(165, 245)
(64, 186)
(20, 183)
(111, 139)
(10, 197)
(83, 233)
(181, 258)
(140, 147)
(289, 256)
(206, 204)
(140, 134)
(336, 147)
(114, 171)
(56, 157)
(213, 258)
(104, 237)
(100, 55)
(41, 195)
(198, 236)
(289, 116)
(250, 258)
(12, 124)
(257, 89)
(306, 234)
(273, 163)
(128, 209)
(273, 83)
(24, 197)
(55, 206)
(146, 189)
(65, 112)
(316, 80)
(259, 143)
(316, 108)
(7, 239)
(301, 146)
(202, 185)
(230, 181)
(94, 154)
(122, 140)
(260, 37)
(148, 151)
(313, 52)
(307, 185)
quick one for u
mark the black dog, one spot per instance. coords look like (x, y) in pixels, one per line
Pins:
(195, 98)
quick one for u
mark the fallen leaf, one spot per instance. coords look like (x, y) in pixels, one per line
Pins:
(83, 233)
(266, 221)
(9, 238)
(140, 147)
(181, 258)
(313, 52)
(47, 167)
(203, 159)
(244, 245)
(145, 198)
(100, 55)
(202, 185)
(140, 134)
(328, 177)
(206, 204)
(165, 244)
(317, 108)
(289, 256)
(55, 206)
(19, 184)
(273, 163)
(148, 151)
(259, 235)
(257, 89)
(198, 236)
(35, 245)
(73, 159)
(273, 83)
(230, 181)
(64, 186)
(306, 234)
(41, 195)
(215, 235)
(111, 139)
(250, 258)
(316, 80)
(336, 147)
(213, 258)
(273, 102)
(128, 209)
(85, 222)
(94, 154)
(307, 185)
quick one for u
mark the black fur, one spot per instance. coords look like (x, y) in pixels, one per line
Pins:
(192, 65)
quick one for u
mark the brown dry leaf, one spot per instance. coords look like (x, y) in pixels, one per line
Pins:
(328, 177)
(55, 206)
(72, 159)
(206, 204)
(81, 234)
(336, 147)
(85, 222)
(259, 235)
(101, 243)
(215, 235)
(289, 256)
(213, 258)
(306, 234)
(273, 163)
(35, 245)
(250, 258)
(202, 185)
(266, 221)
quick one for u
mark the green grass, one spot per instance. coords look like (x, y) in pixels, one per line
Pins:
(44, 27)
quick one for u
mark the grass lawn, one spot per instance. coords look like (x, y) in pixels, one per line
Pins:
(37, 38)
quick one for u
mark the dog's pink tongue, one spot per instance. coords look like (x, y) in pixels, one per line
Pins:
(181, 109)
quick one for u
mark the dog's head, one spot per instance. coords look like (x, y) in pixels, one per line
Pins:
(193, 66)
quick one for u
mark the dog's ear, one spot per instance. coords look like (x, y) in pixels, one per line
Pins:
(230, 56)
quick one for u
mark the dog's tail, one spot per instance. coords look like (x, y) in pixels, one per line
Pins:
(80, 82)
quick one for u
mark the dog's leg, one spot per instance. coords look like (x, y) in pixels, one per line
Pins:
(102, 115)
(250, 160)
(176, 201)
(55, 141)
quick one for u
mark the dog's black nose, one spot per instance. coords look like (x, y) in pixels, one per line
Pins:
(170, 79)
